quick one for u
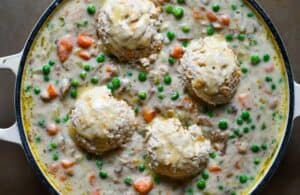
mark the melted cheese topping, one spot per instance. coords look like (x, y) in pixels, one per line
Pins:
(98, 115)
(211, 61)
(171, 144)
(130, 24)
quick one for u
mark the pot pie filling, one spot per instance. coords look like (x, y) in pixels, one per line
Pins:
(154, 97)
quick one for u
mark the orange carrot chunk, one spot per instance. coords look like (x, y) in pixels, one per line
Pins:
(64, 47)
(177, 52)
(84, 41)
(52, 91)
(225, 20)
(66, 163)
(211, 16)
(52, 129)
(149, 114)
(84, 55)
(143, 185)
(214, 169)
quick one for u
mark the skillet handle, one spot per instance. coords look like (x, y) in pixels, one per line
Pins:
(12, 63)
(297, 100)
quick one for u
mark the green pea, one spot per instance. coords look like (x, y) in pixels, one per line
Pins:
(87, 67)
(66, 118)
(160, 96)
(73, 93)
(128, 181)
(37, 90)
(255, 148)
(264, 147)
(110, 86)
(201, 184)
(244, 70)
(99, 163)
(246, 130)
(94, 80)
(169, 9)
(243, 179)
(142, 76)
(181, 1)
(256, 161)
(101, 58)
(142, 95)
(234, 7)
(239, 121)
(41, 122)
(116, 83)
(52, 146)
(51, 62)
(229, 37)
(255, 59)
(91, 9)
(216, 7)
(171, 35)
(55, 157)
(273, 86)
(46, 69)
(46, 78)
(167, 79)
(213, 155)
(245, 115)
(174, 96)
(205, 175)
(250, 14)
(160, 88)
(103, 174)
(266, 58)
(223, 124)
(83, 75)
(38, 139)
(171, 60)
(241, 37)
(142, 167)
(268, 79)
(185, 43)
(178, 12)
(185, 29)
(74, 83)
(210, 30)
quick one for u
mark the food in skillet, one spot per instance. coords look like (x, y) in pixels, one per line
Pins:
(101, 123)
(210, 70)
(130, 29)
(119, 112)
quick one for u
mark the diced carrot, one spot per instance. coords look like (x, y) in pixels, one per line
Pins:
(84, 41)
(244, 100)
(53, 167)
(52, 91)
(214, 169)
(63, 178)
(91, 178)
(225, 20)
(177, 52)
(52, 129)
(143, 185)
(64, 47)
(269, 68)
(211, 16)
(149, 114)
(84, 55)
(197, 15)
(96, 192)
(66, 163)
(110, 68)
(237, 165)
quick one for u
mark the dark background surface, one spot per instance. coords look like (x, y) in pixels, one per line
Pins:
(17, 18)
